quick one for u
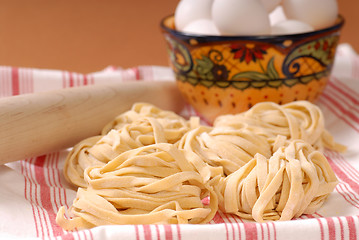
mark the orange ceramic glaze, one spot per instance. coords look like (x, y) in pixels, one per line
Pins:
(228, 74)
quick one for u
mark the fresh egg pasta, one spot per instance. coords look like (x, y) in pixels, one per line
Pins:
(169, 120)
(143, 125)
(149, 185)
(295, 180)
(224, 147)
(151, 166)
(295, 120)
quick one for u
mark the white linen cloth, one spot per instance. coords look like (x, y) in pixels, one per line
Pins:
(32, 190)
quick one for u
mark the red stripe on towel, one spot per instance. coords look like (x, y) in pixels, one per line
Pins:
(15, 81)
(251, 231)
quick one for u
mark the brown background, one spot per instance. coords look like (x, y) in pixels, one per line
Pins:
(87, 35)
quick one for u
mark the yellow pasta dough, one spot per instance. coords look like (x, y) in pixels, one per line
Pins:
(224, 147)
(169, 120)
(151, 166)
(148, 185)
(294, 181)
(143, 125)
(295, 120)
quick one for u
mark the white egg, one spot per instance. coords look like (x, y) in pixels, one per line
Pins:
(190, 10)
(240, 17)
(270, 5)
(317, 13)
(202, 26)
(277, 16)
(291, 27)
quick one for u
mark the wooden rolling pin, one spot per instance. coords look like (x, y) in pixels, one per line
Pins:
(40, 123)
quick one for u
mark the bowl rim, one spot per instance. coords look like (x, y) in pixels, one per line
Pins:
(210, 38)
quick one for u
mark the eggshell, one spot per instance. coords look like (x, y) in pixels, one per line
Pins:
(190, 10)
(317, 13)
(240, 17)
(277, 16)
(291, 27)
(202, 26)
(270, 5)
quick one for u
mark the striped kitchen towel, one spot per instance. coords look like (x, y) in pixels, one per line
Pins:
(33, 189)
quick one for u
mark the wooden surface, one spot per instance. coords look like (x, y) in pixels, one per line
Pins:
(39, 123)
(88, 35)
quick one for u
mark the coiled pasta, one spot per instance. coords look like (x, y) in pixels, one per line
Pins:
(148, 185)
(295, 120)
(151, 166)
(295, 180)
(143, 125)
(224, 147)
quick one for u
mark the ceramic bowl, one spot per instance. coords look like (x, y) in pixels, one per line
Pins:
(228, 74)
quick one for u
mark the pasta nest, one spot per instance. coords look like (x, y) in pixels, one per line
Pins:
(223, 147)
(151, 166)
(148, 185)
(294, 181)
(295, 120)
(143, 125)
(168, 119)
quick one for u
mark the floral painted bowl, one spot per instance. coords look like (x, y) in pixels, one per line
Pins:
(228, 74)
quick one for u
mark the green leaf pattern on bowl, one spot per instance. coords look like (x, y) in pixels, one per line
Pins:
(208, 72)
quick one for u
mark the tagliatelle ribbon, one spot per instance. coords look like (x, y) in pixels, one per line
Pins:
(224, 147)
(143, 125)
(168, 119)
(148, 185)
(294, 181)
(295, 120)
(153, 167)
